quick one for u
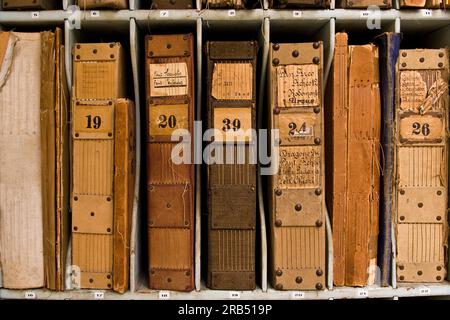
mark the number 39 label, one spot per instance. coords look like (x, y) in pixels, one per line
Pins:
(233, 124)
(93, 122)
(427, 128)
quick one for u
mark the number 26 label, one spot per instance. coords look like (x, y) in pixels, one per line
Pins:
(427, 128)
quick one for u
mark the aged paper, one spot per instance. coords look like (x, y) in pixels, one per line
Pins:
(168, 79)
(299, 167)
(165, 119)
(298, 85)
(233, 124)
(232, 81)
(413, 90)
(421, 128)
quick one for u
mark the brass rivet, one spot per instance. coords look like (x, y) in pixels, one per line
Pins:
(438, 278)
(108, 199)
(111, 45)
(92, 214)
(150, 187)
(91, 280)
(169, 280)
(401, 267)
(278, 223)
(316, 109)
(404, 64)
(278, 192)
(317, 141)
(318, 191)
(319, 223)
(402, 218)
(441, 54)
(438, 268)
(75, 228)
(316, 45)
(188, 273)
(316, 60)
(111, 56)
(276, 61)
(299, 279)
(420, 204)
(402, 192)
(94, 51)
(402, 278)
(168, 205)
(404, 54)
(78, 46)
(319, 286)
(75, 198)
(276, 46)
(109, 134)
(186, 223)
(77, 134)
(108, 276)
(422, 60)
(151, 53)
(279, 286)
(276, 110)
(419, 273)
(78, 57)
(108, 230)
(173, 1)
(109, 285)
(295, 53)
(110, 103)
(438, 218)
(319, 272)
(298, 207)
(279, 273)
(168, 46)
(440, 64)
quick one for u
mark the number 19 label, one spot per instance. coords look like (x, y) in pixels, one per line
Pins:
(93, 122)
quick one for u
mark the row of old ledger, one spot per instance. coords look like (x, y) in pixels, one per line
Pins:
(221, 4)
(77, 162)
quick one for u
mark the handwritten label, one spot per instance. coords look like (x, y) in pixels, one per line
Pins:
(164, 295)
(232, 13)
(427, 13)
(30, 295)
(299, 167)
(296, 14)
(95, 14)
(232, 81)
(298, 295)
(99, 295)
(413, 90)
(164, 14)
(424, 291)
(298, 85)
(234, 295)
(35, 15)
(168, 79)
(362, 293)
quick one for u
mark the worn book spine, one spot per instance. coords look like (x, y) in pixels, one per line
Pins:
(224, 4)
(388, 46)
(21, 207)
(31, 4)
(297, 200)
(385, 4)
(103, 4)
(421, 192)
(412, 3)
(170, 167)
(231, 178)
(435, 4)
(287, 4)
(172, 4)
(98, 82)
(355, 170)
(124, 179)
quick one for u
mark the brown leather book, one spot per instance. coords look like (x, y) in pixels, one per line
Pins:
(296, 200)
(98, 82)
(103, 4)
(412, 3)
(173, 4)
(290, 4)
(31, 4)
(420, 213)
(354, 183)
(170, 184)
(359, 4)
(231, 99)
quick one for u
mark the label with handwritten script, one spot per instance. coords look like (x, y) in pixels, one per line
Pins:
(232, 81)
(168, 79)
(299, 167)
(298, 85)
(413, 90)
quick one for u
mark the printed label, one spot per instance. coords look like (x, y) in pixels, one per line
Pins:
(299, 167)
(297, 128)
(234, 295)
(298, 85)
(421, 128)
(232, 81)
(164, 119)
(164, 295)
(168, 79)
(233, 124)
(93, 122)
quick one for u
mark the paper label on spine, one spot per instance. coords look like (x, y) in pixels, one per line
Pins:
(298, 85)
(232, 81)
(413, 90)
(299, 167)
(168, 79)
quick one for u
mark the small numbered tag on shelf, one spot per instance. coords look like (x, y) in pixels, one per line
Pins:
(362, 293)
(98, 295)
(427, 13)
(296, 14)
(364, 14)
(298, 295)
(235, 295)
(164, 295)
(30, 295)
(95, 14)
(424, 291)
(35, 15)
(164, 13)
(231, 13)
